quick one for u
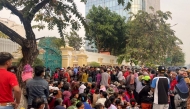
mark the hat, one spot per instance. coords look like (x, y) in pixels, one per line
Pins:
(146, 78)
(27, 72)
(162, 69)
(110, 90)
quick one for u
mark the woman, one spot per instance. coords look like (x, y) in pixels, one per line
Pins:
(173, 83)
(181, 93)
(85, 76)
(98, 79)
(109, 103)
(80, 105)
(66, 96)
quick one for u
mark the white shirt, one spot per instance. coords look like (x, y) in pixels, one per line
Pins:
(120, 76)
(81, 88)
(101, 100)
(138, 85)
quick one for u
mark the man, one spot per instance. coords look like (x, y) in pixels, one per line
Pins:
(160, 87)
(37, 87)
(105, 77)
(8, 83)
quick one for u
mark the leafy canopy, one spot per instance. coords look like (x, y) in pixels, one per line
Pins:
(107, 30)
(150, 38)
(74, 40)
(57, 13)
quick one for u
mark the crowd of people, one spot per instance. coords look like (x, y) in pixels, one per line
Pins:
(104, 87)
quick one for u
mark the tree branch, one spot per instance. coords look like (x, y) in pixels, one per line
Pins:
(6, 4)
(37, 8)
(15, 37)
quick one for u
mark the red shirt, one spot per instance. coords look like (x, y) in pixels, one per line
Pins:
(66, 75)
(126, 74)
(7, 81)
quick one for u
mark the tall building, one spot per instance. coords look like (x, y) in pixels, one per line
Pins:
(136, 5)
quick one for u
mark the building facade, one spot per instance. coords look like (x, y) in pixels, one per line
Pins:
(136, 5)
(6, 45)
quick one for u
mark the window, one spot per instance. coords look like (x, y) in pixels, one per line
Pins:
(143, 5)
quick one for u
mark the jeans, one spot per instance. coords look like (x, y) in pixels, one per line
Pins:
(6, 107)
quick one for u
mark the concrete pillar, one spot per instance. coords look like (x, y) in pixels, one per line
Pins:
(66, 53)
(82, 59)
(112, 62)
(100, 60)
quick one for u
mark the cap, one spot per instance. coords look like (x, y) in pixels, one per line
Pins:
(146, 78)
(162, 69)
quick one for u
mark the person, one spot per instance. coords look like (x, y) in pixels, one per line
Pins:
(109, 103)
(81, 88)
(9, 83)
(160, 87)
(58, 104)
(66, 96)
(99, 106)
(85, 76)
(181, 92)
(146, 98)
(38, 103)
(12, 69)
(133, 105)
(80, 105)
(104, 78)
(173, 83)
(102, 98)
(37, 87)
(83, 99)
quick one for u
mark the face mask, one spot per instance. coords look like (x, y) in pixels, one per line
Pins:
(13, 71)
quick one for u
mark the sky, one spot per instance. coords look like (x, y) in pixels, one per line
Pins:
(178, 8)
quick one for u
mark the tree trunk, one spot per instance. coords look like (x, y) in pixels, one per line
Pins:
(30, 52)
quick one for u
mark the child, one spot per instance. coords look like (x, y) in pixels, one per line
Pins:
(132, 104)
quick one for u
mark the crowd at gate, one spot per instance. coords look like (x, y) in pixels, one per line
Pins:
(86, 87)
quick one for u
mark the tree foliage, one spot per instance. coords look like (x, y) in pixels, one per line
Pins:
(122, 2)
(51, 12)
(107, 30)
(150, 38)
(75, 40)
(54, 42)
(175, 58)
(94, 64)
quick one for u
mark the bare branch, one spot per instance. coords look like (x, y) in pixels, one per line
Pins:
(15, 37)
(12, 8)
(37, 8)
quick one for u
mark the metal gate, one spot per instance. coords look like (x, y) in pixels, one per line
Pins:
(52, 57)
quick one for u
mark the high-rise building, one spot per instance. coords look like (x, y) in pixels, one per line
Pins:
(136, 5)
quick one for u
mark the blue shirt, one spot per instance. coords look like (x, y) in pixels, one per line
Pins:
(86, 105)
